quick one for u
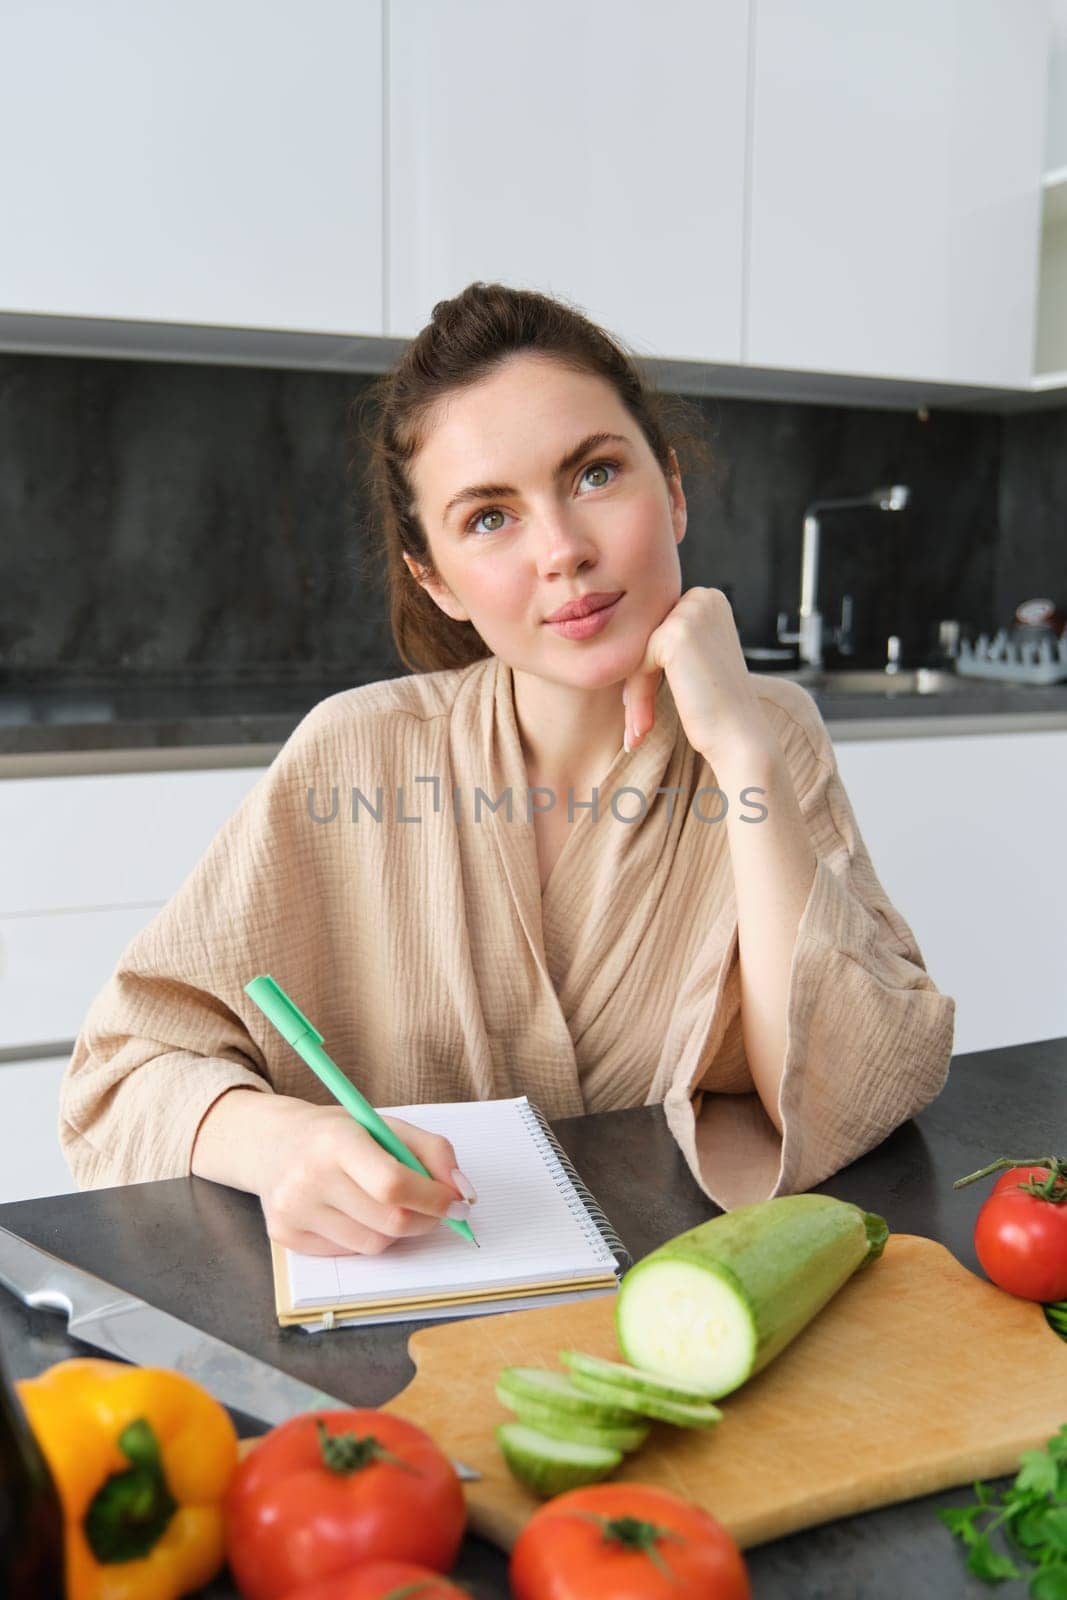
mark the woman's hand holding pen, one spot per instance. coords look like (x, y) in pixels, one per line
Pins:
(330, 1188)
(326, 1186)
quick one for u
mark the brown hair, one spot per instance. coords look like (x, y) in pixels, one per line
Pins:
(465, 339)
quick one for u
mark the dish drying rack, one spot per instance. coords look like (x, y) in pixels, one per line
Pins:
(1019, 661)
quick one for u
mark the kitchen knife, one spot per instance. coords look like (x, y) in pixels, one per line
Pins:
(127, 1327)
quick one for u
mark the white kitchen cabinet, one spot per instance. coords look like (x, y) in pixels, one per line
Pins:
(966, 836)
(809, 189)
(594, 151)
(85, 863)
(895, 188)
(52, 967)
(109, 839)
(31, 1160)
(193, 163)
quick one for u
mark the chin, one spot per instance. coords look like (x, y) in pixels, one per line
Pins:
(609, 671)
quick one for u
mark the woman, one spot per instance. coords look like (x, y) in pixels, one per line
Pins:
(422, 868)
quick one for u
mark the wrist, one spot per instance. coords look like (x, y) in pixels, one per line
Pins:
(748, 759)
(228, 1147)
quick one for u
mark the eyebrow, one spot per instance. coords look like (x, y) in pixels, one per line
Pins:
(491, 491)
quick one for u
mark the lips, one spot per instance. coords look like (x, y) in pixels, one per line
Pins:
(584, 607)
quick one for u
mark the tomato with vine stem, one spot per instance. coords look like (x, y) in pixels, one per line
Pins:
(332, 1490)
(1020, 1236)
(625, 1541)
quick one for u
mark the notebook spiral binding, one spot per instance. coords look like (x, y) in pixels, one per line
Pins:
(581, 1202)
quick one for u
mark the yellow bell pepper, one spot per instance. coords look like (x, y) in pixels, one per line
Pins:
(142, 1458)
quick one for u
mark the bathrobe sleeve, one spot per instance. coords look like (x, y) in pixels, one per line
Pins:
(172, 1029)
(869, 1036)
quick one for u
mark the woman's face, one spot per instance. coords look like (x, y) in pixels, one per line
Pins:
(515, 536)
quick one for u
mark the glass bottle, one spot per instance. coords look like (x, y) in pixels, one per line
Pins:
(31, 1517)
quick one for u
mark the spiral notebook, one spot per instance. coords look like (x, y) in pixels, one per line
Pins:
(541, 1235)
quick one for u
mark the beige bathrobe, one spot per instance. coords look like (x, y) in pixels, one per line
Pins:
(404, 916)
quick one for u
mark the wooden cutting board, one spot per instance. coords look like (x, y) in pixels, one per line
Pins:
(916, 1377)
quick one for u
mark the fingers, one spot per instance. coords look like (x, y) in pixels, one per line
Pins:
(391, 1218)
(639, 698)
(336, 1191)
(328, 1232)
(353, 1226)
(390, 1182)
(326, 1200)
(438, 1157)
(308, 1244)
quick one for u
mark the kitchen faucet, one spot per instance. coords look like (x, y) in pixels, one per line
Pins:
(809, 636)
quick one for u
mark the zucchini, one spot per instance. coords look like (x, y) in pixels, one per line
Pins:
(549, 1466)
(714, 1305)
(650, 1405)
(565, 1425)
(632, 1379)
(554, 1389)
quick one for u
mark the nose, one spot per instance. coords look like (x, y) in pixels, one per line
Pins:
(563, 540)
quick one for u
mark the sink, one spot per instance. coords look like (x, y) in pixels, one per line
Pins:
(875, 681)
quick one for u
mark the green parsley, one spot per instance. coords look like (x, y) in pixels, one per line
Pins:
(1031, 1515)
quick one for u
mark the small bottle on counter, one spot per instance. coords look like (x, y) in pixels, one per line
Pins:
(31, 1517)
(948, 641)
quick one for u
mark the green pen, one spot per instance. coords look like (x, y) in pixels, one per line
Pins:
(306, 1040)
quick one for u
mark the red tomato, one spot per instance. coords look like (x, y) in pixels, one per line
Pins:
(625, 1541)
(1016, 1175)
(332, 1490)
(384, 1580)
(1021, 1239)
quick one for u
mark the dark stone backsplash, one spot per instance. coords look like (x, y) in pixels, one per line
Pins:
(204, 523)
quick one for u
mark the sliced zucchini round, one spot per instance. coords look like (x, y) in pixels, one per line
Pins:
(549, 1388)
(565, 1425)
(549, 1466)
(636, 1380)
(701, 1415)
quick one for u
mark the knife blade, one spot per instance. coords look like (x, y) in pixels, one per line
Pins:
(127, 1327)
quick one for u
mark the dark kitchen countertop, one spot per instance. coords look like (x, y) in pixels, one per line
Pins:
(142, 714)
(200, 1251)
(155, 724)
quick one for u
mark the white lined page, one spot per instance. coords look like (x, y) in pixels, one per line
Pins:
(523, 1221)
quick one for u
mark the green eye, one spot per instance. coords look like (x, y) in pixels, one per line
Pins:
(478, 523)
